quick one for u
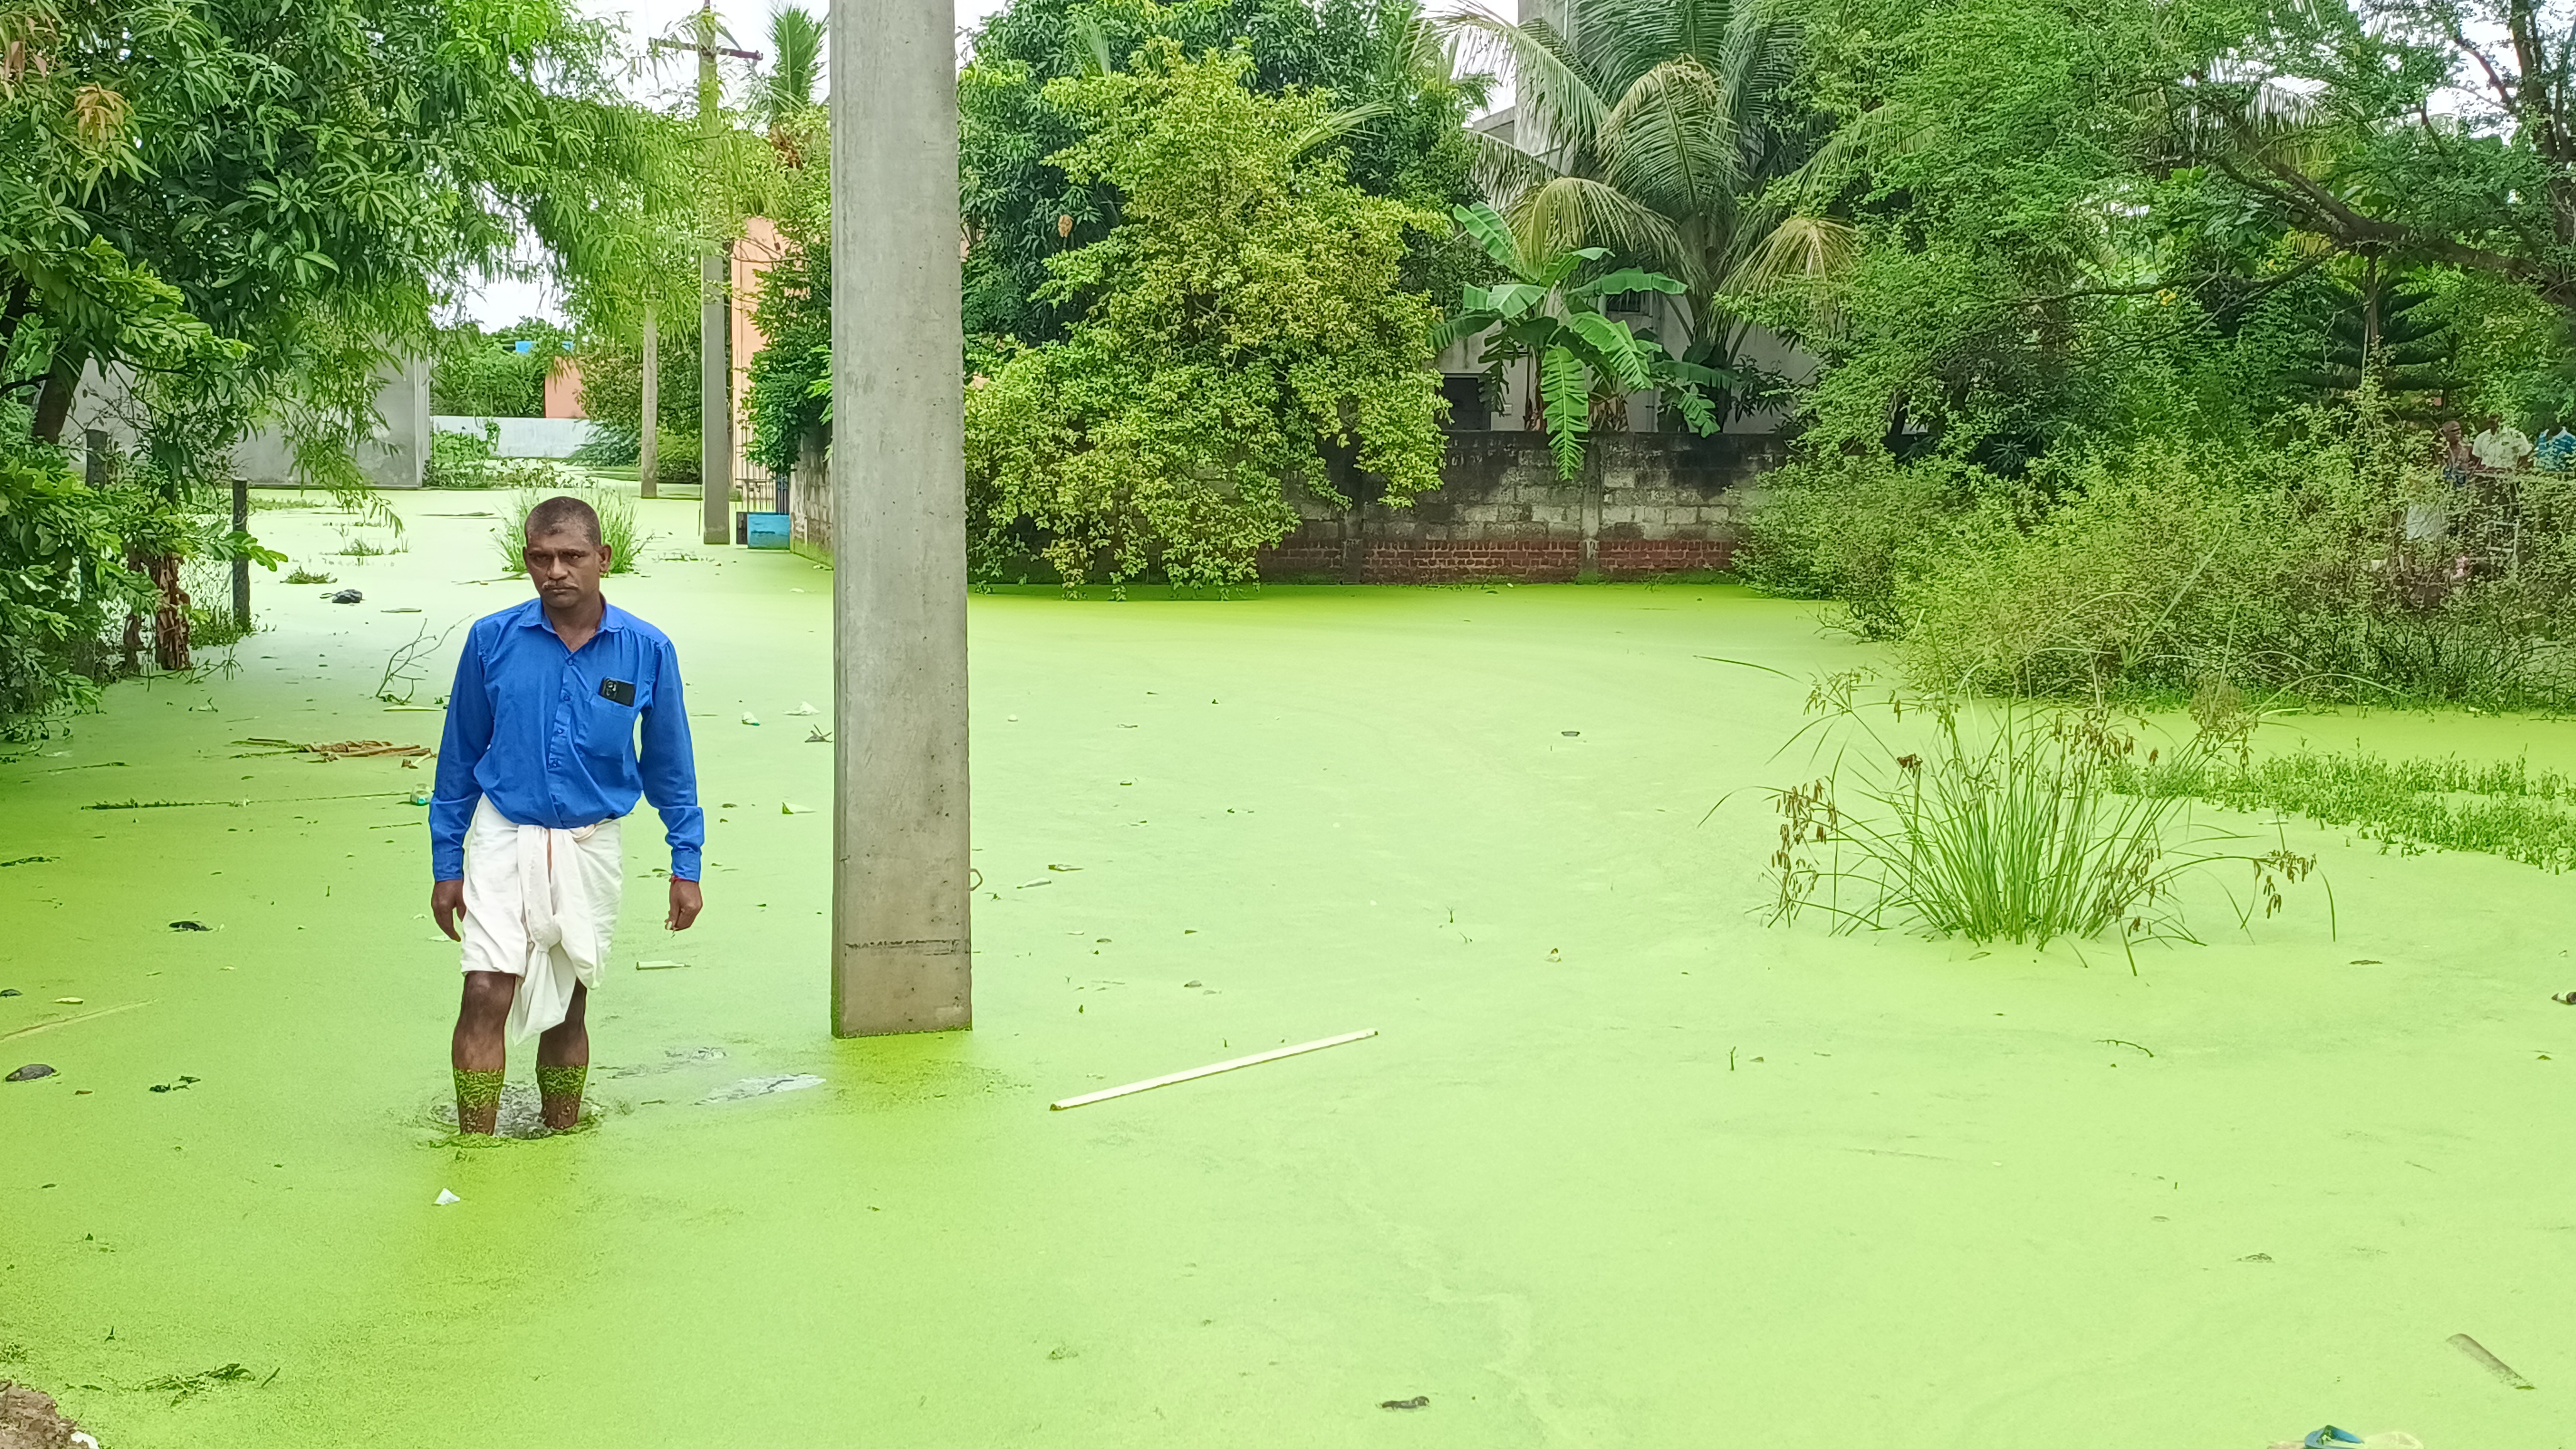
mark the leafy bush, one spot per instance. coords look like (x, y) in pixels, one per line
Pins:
(63, 586)
(609, 445)
(1855, 528)
(676, 461)
(460, 460)
(617, 526)
(480, 374)
(2333, 565)
(1243, 325)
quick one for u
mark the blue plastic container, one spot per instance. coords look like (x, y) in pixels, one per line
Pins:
(765, 530)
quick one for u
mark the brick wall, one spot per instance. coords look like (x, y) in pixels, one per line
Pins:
(1667, 503)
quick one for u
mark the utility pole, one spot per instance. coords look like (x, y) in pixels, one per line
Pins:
(648, 462)
(715, 320)
(901, 959)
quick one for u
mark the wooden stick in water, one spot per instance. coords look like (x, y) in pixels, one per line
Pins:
(1256, 1059)
(2478, 1351)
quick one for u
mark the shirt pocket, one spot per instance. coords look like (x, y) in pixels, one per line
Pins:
(607, 728)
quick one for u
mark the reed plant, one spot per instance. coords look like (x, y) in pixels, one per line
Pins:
(617, 526)
(2008, 820)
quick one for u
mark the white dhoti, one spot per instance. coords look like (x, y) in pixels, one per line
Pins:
(540, 905)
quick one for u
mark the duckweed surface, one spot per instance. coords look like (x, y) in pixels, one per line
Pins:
(1622, 1167)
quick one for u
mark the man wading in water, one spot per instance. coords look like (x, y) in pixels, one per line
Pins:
(538, 763)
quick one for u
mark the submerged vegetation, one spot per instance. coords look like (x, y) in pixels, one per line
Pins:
(2503, 809)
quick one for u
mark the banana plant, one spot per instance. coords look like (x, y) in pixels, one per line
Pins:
(1543, 313)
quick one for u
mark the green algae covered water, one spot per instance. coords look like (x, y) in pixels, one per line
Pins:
(1622, 1167)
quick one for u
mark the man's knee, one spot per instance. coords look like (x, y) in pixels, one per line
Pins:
(487, 995)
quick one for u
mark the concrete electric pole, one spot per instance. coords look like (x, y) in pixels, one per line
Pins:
(715, 312)
(900, 896)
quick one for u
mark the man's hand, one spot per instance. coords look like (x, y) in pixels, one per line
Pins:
(447, 905)
(685, 904)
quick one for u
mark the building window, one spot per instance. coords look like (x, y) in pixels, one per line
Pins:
(1466, 394)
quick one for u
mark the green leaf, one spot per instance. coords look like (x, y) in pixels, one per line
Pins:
(1485, 226)
(1629, 279)
(1616, 349)
(1565, 395)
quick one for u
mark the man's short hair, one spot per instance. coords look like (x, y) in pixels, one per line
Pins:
(561, 514)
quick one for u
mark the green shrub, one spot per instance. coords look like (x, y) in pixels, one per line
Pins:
(2286, 568)
(617, 526)
(676, 461)
(460, 460)
(212, 626)
(1857, 529)
(63, 587)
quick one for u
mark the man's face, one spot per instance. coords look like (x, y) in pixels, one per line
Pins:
(566, 567)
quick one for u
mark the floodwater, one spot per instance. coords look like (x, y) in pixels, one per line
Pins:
(1622, 1167)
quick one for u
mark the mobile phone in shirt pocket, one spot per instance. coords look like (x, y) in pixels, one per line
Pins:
(608, 724)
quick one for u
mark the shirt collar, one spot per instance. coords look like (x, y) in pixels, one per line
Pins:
(612, 619)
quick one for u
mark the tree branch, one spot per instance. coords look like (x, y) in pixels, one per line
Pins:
(2145, 289)
(2357, 229)
(2495, 80)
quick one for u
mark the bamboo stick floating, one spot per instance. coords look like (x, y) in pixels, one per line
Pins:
(2477, 1352)
(1256, 1059)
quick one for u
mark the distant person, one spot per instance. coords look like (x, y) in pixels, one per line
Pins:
(2555, 450)
(538, 765)
(2501, 448)
(2452, 456)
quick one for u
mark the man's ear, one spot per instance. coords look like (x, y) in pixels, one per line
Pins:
(607, 556)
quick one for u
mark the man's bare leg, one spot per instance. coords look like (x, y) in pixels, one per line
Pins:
(476, 1053)
(563, 1063)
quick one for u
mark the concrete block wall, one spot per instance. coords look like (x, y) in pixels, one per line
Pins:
(521, 437)
(1666, 503)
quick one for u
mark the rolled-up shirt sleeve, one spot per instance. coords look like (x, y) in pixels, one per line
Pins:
(460, 749)
(669, 768)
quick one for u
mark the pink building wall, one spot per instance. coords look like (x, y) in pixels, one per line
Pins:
(563, 389)
(759, 249)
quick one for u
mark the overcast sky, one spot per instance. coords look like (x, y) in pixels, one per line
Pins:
(500, 303)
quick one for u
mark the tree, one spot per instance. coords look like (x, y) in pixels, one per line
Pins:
(308, 177)
(1241, 327)
(1393, 76)
(474, 373)
(2385, 331)
(787, 89)
(794, 308)
(252, 207)
(1584, 359)
(1653, 129)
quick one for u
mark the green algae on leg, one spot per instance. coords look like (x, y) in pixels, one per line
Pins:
(478, 1101)
(559, 1090)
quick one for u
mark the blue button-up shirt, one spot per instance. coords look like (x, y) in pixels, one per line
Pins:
(549, 734)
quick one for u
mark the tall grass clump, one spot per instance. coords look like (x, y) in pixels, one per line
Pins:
(617, 526)
(2011, 820)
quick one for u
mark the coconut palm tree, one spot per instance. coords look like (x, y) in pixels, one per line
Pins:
(795, 70)
(1651, 128)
